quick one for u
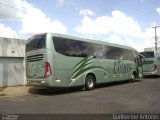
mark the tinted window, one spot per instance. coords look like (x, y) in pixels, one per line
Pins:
(36, 42)
(128, 55)
(100, 51)
(115, 53)
(70, 47)
(148, 54)
(110, 52)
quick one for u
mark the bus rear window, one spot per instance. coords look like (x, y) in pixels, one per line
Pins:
(36, 42)
(148, 54)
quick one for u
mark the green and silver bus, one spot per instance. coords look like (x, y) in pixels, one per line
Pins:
(151, 65)
(55, 60)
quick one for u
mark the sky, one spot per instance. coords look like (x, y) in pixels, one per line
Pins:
(126, 22)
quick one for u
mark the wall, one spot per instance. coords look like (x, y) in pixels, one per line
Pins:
(12, 62)
(10, 47)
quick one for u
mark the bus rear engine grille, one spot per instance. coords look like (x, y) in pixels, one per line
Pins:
(35, 58)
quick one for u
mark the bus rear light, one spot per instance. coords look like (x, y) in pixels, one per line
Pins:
(48, 71)
(155, 68)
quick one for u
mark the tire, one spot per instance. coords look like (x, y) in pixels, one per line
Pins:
(133, 77)
(90, 82)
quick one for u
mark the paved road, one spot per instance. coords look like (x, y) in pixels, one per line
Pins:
(140, 97)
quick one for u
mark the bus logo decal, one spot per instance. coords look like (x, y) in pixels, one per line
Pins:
(83, 66)
(121, 68)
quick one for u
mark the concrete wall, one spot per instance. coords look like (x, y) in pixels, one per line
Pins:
(12, 47)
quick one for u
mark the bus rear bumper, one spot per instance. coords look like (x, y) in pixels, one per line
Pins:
(150, 73)
(37, 83)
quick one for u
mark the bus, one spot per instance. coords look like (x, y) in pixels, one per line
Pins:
(56, 60)
(151, 65)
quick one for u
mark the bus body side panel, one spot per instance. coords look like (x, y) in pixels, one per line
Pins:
(98, 67)
(105, 70)
(121, 70)
(61, 69)
(64, 68)
(104, 75)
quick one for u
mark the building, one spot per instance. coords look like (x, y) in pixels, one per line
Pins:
(12, 62)
(151, 49)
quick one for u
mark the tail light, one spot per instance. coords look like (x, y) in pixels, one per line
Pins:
(48, 71)
(155, 67)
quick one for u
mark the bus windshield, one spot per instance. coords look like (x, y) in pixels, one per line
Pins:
(36, 42)
(148, 54)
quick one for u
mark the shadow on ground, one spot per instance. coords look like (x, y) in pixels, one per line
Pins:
(1, 91)
(152, 76)
(59, 91)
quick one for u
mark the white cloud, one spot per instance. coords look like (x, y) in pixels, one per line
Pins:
(61, 2)
(118, 23)
(86, 12)
(114, 38)
(130, 42)
(10, 9)
(7, 32)
(118, 28)
(137, 43)
(35, 21)
(158, 10)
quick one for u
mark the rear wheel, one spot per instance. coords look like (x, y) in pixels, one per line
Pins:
(134, 76)
(90, 82)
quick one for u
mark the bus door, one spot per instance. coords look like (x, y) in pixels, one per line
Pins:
(140, 60)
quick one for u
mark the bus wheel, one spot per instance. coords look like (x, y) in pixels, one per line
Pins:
(89, 82)
(134, 77)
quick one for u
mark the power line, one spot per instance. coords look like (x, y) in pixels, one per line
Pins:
(18, 9)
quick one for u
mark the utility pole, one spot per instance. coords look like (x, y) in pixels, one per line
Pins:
(155, 28)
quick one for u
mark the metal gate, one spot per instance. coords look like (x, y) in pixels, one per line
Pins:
(11, 71)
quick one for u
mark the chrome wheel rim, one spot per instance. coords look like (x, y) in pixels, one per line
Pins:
(90, 82)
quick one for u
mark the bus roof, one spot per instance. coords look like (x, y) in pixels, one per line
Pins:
(92, 41)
